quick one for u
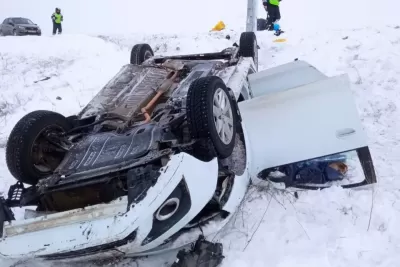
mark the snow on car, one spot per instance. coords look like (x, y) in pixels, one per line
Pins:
(170, 144)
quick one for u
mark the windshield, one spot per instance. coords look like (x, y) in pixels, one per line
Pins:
(22, 21)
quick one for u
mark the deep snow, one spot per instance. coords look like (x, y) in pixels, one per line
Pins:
(330, 228)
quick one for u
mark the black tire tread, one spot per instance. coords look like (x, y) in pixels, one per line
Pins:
(137, 53)
(197, 95)
(20, 141)
(246, 44)
(198, 113)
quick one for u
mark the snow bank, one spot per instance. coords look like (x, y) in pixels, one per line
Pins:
(75, 66)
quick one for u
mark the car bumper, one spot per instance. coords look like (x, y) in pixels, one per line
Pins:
(28, 33)
(110, 228)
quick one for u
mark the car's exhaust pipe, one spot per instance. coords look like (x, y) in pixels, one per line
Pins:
(164, 87)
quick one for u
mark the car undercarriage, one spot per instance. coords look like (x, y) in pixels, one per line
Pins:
(134, 130)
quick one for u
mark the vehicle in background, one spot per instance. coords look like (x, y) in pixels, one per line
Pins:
(19, 27)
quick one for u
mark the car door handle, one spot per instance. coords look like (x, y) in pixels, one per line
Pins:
(342, 133)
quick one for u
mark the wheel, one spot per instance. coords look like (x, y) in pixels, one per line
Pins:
(261, 24)
(140, 53)
(14, 32)
(248, 46)
(212, 114)
(1, 33)
(29, 155)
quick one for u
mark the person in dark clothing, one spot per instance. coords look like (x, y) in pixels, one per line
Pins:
(274, 14)
(57, 18)
(266, 5)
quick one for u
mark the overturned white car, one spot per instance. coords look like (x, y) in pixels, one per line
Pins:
(168, 144)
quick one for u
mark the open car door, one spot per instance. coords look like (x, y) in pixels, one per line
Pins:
(303, 129)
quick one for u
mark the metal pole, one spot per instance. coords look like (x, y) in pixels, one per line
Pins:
(251, 21)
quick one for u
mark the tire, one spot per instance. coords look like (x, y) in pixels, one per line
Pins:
(140, 53)
(14, 33)
(261, 24)
(248, 46)
(200, 118)
(22, 145)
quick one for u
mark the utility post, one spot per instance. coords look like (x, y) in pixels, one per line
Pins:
(251, 20)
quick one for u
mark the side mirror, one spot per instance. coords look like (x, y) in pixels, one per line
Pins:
(10, 23)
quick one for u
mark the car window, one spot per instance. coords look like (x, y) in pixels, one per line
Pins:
(22, 21)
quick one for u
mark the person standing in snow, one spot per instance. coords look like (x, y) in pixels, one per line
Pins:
(57, 18)
(274, 14)
(266, 5)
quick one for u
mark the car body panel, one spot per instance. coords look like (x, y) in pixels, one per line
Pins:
(283, 77)
(301, 123)
(238, 81)
(109, 150)
(106, 223)
(241, 180)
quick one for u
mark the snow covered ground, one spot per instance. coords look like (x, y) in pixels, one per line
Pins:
(331, 228)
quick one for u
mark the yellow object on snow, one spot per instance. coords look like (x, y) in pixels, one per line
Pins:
(219, 26)
(281, 40)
